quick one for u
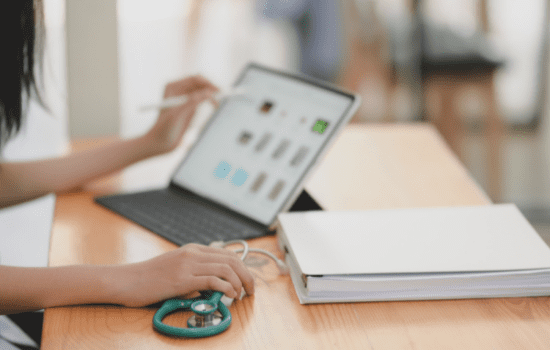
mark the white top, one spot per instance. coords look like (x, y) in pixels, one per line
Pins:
(26, 230)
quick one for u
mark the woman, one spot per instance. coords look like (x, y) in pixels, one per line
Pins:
(183, 271)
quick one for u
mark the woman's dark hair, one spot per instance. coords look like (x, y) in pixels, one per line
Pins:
(21, 23)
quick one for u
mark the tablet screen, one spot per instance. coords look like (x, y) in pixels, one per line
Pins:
(258, 147)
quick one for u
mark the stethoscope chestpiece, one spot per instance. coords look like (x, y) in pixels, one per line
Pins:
(206, 314)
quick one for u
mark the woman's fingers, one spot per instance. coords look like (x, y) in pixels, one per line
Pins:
(185, 86)
(208, 254)
(238, 267)
(173, 122)
(220, 251)
(222, 271)
(188, 85)
(214, 283)
(199, 96)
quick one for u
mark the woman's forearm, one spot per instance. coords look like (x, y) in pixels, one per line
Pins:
(34, 288)
(180, 272)
(21, 181)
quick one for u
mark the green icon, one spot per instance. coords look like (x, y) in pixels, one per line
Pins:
(320, 126)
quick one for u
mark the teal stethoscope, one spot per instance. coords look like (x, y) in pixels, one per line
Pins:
(211, 314)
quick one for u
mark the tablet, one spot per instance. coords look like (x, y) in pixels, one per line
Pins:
(255, 152)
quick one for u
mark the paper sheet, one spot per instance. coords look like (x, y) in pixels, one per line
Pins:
(25, 231)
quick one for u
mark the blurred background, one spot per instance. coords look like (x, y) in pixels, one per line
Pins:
(477, 69)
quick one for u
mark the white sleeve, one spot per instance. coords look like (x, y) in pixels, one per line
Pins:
(11, 332)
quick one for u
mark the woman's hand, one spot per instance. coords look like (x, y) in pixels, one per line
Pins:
(181, 272)
(168, 131)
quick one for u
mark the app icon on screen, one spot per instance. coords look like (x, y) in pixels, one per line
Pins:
(281, 149)
(263, 142)
(245, 137)
(258, 183)
(222, 170)
(239, 177)
(320, 126)
(299, 156)
(266, 107)
(276, 190)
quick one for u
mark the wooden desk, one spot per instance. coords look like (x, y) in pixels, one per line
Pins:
(369, 167)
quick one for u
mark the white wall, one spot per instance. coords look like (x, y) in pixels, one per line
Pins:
(151, 36)
(122, 53)
(92, 67)
(155, 48)
(544, 146)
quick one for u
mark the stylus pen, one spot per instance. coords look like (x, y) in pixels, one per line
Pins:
(182, 99)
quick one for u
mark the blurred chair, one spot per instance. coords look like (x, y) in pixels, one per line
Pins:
(458, 80)
(318, 24)
(447, 75)
(367, 65)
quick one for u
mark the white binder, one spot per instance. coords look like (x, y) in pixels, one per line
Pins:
(412, 254)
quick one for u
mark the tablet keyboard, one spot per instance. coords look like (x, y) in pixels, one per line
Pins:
(180, 219)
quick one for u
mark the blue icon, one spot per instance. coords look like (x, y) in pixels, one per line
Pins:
(239, 177)
(222, 170)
